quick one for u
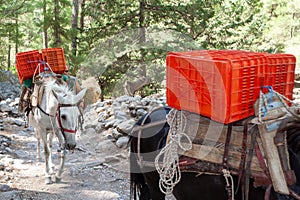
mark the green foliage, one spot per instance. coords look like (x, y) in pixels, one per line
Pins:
(112, 44)
(283, 24)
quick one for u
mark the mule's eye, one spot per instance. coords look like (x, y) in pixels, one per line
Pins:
(64, 117)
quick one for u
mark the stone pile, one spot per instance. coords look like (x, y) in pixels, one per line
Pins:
(9, 86)
(117, 117)
(9, 96)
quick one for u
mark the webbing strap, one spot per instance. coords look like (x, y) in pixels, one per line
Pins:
(229, 185)
(226, 148)
(243, 159)
(250, 156)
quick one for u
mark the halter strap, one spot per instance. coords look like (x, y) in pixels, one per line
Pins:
(63, 130)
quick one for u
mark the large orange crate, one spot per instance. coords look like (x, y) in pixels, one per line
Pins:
(26, 64)
(280, 73)
(224, 84)
(55, 58)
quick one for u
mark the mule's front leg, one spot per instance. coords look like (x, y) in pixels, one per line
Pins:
(61, 166)
(47, 165)
(48, 159)
(62, 158)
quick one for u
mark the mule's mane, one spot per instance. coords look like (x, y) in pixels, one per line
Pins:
(61, 88)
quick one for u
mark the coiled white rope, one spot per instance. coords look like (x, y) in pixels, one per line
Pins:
(167, 161)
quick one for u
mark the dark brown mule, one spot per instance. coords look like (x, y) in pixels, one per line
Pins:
(192, 186)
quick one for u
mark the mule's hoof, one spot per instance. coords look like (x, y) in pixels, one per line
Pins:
(57, 180)
(48, 180)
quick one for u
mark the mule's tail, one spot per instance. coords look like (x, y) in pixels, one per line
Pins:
(138, 186)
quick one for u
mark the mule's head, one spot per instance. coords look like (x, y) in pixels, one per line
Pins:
(68, 115)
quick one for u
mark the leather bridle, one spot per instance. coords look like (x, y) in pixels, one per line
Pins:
(58, 120)
(57, 115)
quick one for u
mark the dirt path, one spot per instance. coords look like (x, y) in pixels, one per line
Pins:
(97, 169)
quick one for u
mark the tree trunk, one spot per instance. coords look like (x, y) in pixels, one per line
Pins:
(74, 27)
(143, 71)
(56, 24)
(82, 15)
(130, 87)
(9, 50)
(45, 28)
(17, 35)
(102, 87)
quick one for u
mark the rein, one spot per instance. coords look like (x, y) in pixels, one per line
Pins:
(39, 107)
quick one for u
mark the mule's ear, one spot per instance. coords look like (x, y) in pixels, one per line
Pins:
(80, 95)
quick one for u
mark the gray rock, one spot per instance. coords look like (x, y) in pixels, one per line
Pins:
(117, 122)
(102, 116)
(108, 195)
(24, 133)
(141, 112)
(116, 134)
(99, 128)
(121, 115)
(145, 102)
(111, 159)
(2, 166)
(109, 124)
(19, 122)
(126, 126)
(132, 105)
(5, 107)
(85, 184)
(14, 194)
(21, 153)
(4, 188)
(122, 142)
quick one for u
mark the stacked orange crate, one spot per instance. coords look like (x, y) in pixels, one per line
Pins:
(280, 73)
(219, 84)
(26, 64)
(224, 84)
(55, 58)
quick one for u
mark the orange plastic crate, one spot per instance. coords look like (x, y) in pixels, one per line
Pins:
(280, 73)
(224, 84)
(219, 84)
(55, 58)
(26, 64)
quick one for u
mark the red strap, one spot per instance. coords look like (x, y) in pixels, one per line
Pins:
(261, 160)
(61, 127)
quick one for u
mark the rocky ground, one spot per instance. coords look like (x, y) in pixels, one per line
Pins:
(97, 169)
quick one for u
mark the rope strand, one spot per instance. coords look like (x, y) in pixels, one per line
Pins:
(169, 170)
